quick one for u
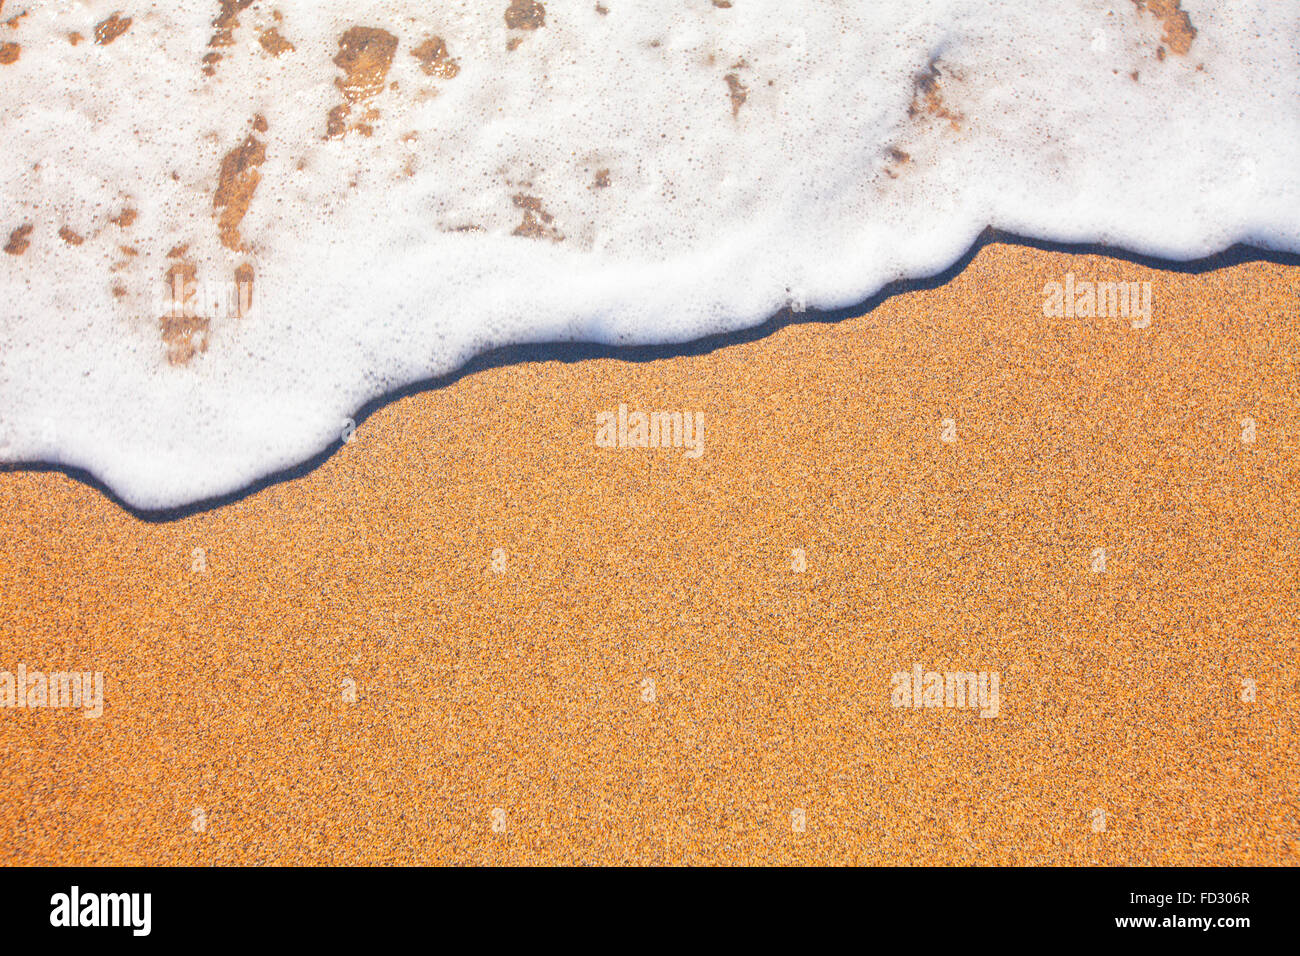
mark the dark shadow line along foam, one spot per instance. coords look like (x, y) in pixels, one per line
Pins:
(571, 352)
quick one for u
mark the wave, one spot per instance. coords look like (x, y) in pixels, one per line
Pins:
(231, 227)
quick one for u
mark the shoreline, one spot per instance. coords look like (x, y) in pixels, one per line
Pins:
(572, 352)
(475, 608)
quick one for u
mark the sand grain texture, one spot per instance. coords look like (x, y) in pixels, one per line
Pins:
(524, 691)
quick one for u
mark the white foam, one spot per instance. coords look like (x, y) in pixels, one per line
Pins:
(714, 217)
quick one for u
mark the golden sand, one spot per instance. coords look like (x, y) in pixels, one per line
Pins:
(228, 735)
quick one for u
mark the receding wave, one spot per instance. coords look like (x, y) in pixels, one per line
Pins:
(228, 225)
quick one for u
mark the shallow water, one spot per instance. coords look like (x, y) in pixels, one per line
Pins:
(229, 226)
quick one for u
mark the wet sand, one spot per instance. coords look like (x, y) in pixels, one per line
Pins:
(229, 736)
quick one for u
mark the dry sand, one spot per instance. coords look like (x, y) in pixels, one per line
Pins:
(1120, 691)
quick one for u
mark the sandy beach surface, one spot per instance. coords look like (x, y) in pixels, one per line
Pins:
(563, 653)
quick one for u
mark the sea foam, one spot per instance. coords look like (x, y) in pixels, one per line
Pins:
(229, 225)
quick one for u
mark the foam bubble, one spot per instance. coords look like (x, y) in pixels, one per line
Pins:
(404, 185)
